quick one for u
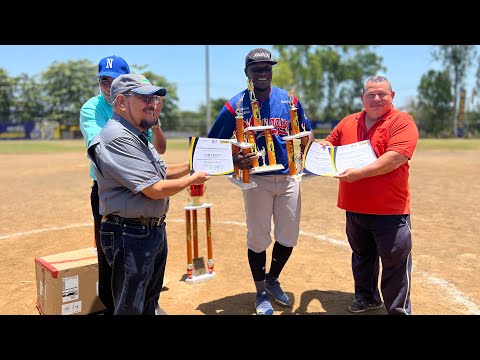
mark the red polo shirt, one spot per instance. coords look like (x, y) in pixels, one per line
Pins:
(386, 194)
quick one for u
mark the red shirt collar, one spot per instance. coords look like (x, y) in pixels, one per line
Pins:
(361, 117)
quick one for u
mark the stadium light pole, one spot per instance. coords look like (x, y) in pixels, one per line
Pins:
(207, 82)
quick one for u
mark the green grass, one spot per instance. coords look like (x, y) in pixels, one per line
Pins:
(59, 146)
(177, 144)
(40, 146)
(63, 146)
(448, 144)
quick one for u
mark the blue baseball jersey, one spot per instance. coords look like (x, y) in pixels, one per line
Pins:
(275, 110)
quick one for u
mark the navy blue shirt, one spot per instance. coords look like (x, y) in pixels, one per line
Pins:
(124, 165)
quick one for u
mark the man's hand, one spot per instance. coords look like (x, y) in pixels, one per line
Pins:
(199, 177)
(244, 161)
(325, 143)
(350, 175)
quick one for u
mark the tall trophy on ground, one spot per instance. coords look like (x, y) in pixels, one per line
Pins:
(196, 270)
(295, 158)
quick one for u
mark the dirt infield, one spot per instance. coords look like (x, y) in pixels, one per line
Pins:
(46, 210)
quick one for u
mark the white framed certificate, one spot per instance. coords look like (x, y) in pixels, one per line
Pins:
(333, 160)
(211, 155)
(356, 155)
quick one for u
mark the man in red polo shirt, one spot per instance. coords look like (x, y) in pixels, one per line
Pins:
(376, 199)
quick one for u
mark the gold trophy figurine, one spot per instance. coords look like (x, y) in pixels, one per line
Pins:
(255, 107)
(293, 113)
(251, 135)
(262, 153)
(295, 168)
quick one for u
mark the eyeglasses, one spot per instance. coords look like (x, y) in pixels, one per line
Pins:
(105, 80)
(147, 99)
(373, 96)
(258, 70)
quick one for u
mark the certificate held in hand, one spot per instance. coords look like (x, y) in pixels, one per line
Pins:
(211, 155)
(333, 160)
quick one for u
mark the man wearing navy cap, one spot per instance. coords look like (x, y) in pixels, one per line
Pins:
(94, 114)
(134, 186)
(275, 197)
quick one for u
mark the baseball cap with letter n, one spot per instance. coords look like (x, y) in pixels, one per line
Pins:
(113, 66)
(136, 83)
(259, 55)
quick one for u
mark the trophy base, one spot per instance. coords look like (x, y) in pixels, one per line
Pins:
(201, 278)
(242, 145)
(297, 136)
(244, 186)
(260, 128)
(196, 207)
(299, 177)
(265, 168)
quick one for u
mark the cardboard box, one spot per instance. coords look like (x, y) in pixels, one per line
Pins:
(67, 283)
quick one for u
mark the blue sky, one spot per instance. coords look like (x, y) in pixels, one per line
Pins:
(185, 65)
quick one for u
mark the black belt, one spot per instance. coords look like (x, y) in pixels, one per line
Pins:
(154, 221)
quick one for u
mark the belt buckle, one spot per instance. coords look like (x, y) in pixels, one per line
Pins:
(161, 220)
(113, 219)
(154, 222)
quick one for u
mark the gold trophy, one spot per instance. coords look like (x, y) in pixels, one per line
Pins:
(241, 177)
(196, 271)
(295, 162)
(251, 136)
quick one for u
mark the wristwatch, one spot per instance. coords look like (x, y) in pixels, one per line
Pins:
(157, 124)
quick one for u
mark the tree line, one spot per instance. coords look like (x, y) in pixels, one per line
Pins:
(327, 78)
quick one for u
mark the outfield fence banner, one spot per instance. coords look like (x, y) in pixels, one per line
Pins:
(37, 130)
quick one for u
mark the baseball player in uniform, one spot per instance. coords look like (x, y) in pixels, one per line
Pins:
(275, 196)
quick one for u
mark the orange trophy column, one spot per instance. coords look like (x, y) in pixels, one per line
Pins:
(293, 114)
(292, 168)
(272, 159)
(240, 134)
(251, 141)
(189, 245)
(236, 170)
(295, 162)
(295, 130)
(241, 177)
(195, 233)
(209, 241)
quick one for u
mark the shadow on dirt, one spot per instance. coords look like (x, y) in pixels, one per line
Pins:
(241, 304)
(332, 302)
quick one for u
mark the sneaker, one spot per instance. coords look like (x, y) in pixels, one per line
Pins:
(358, 306)
(262, 304)
(274, 290)
(159, 311)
